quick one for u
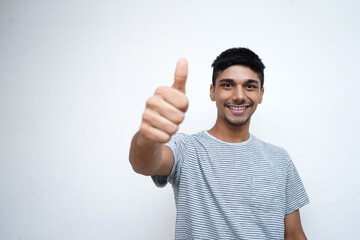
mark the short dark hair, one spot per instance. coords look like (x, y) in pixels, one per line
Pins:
(238, 56)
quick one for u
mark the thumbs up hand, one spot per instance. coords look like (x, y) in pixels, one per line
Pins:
(165, 110)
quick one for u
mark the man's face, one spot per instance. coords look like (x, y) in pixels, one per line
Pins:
(237, 93)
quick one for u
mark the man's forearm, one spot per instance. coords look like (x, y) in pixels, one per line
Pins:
(145, 155)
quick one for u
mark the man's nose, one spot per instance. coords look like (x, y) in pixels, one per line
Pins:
(238, 93)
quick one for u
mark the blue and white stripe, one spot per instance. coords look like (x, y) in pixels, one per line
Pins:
(231, 190)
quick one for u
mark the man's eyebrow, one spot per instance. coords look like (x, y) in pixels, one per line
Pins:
(253, 81)
(226, 80)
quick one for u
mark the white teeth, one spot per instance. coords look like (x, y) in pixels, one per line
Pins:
(237, 108)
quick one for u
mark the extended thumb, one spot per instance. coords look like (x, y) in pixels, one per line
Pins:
(180, 77)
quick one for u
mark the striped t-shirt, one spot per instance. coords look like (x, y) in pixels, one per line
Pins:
(231, 190)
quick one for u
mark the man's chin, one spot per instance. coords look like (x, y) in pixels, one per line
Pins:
(237, 123)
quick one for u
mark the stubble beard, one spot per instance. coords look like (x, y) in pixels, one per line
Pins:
(237, 123)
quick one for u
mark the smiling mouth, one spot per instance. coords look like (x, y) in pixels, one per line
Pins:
(237, 108)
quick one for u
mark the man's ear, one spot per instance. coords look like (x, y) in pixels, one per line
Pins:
(261, 95)
(212, 93)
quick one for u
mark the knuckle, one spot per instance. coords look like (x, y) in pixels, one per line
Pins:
(165, 138)
(181, 117)
(145, 115)
(148, 116)
(184, 103)
(174, 128)
(151, 102)
(144, 129)
(160, 90)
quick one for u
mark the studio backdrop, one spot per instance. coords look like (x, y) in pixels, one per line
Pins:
(75, 75)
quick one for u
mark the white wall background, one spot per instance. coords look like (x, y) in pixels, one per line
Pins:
(75, 75)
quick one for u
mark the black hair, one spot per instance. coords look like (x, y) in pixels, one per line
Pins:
(238, 56)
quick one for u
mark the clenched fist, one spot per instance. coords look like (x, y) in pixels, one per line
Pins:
(165, 110)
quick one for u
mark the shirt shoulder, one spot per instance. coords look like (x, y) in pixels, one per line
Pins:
(269, 148)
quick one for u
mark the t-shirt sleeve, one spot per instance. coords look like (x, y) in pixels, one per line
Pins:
(296, 196)
(177, 145)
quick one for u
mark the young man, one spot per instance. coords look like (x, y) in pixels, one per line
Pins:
(227, 183)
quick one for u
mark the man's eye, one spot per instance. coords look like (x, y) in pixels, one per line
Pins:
(226, 85)
(251, 86)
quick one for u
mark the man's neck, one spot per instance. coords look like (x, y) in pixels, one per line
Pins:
(229, 133)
